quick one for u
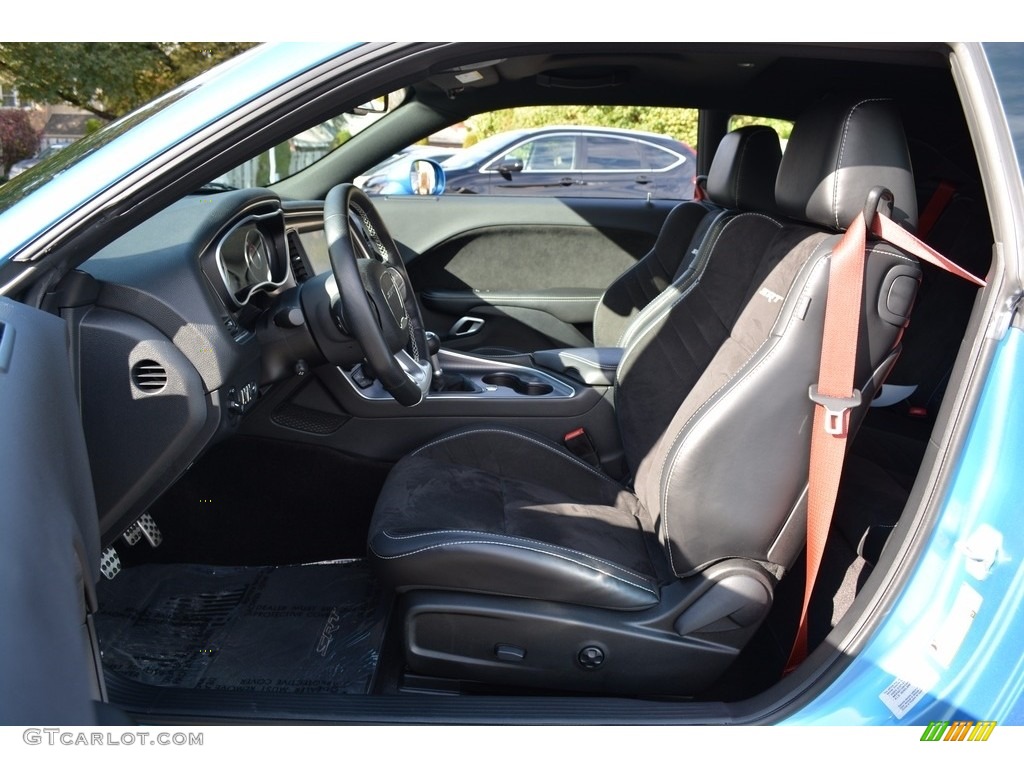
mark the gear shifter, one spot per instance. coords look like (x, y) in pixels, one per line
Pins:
(433, 347)
(444, 382)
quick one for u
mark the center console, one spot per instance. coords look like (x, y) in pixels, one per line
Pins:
(346, 409)
(467, 377)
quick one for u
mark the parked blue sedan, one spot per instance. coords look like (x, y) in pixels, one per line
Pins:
(284, 453)
(574, 161)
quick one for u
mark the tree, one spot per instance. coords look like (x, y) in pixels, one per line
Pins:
(18, 139)
(678, 123)
(107, 79)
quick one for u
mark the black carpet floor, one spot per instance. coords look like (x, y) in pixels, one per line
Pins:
(296, 629)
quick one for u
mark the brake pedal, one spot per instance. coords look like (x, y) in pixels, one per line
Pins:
(144, 527)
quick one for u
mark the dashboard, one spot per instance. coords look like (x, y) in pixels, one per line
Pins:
(165, 322)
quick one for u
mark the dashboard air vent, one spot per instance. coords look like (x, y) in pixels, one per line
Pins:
(149, 376)
(295, 256)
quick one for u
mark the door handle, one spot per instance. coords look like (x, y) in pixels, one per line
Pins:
(466, 326)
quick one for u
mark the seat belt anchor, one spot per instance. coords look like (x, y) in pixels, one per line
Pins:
(835, 408)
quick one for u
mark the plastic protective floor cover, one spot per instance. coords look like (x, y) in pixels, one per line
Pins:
(295, 629)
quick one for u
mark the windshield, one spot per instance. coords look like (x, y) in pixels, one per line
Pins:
(307, 147)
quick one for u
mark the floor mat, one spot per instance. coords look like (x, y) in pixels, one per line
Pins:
(292, 629)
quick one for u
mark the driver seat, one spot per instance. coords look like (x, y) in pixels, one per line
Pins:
(517, 563)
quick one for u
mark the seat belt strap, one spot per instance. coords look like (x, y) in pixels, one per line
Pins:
(834, 394)
(933, 210)
(888, 230)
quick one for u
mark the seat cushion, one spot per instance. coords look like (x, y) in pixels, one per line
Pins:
(500, 511)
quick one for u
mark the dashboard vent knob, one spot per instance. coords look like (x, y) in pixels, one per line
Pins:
(149, 376)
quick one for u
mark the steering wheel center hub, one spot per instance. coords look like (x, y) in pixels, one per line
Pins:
(393, 287)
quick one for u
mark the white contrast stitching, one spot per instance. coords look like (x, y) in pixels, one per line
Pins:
(552, 449)
(398, 537)
(515, 546)
(842, 149)
(521, 297)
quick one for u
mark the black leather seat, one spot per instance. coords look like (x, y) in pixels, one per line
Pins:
(518, 563)
(741, 178)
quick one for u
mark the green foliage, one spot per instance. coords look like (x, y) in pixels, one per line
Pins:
(282, 161)
(341, 137)
(108, 79)
(18, 139)
(782, 127)
(678, 123)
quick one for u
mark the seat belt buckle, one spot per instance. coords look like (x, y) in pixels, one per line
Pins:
(579, 444)
(835, 409)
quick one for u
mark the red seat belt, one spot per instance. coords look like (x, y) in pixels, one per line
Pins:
(834, 393)
(936, 205)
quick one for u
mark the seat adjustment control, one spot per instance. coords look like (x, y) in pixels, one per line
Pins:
(509, 652)
(590, 657)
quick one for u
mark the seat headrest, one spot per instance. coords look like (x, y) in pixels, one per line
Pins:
(743, 171)
(838, 151)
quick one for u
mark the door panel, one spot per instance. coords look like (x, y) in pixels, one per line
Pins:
(532, 269)
(49, 537)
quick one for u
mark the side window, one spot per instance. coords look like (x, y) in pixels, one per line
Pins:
(617, 151)
(657, 159)
(607, 153)
(551, 153)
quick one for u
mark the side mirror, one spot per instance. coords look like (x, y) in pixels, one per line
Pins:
(412, 177)
(508, 166)
(426, 177)
(408, 177)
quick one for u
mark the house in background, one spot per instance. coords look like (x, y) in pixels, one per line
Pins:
(64, 125)
(56, 123)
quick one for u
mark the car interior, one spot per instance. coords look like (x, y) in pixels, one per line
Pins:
(425, 458)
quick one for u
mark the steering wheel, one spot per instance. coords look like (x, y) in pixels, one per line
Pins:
(378, 305)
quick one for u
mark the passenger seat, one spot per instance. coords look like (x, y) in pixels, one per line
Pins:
(742, 178)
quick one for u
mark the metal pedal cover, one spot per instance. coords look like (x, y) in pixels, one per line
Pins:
(146, 527)
(110, 563)
(133, 535)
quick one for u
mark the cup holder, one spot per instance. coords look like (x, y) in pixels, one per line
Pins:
(520, 385)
